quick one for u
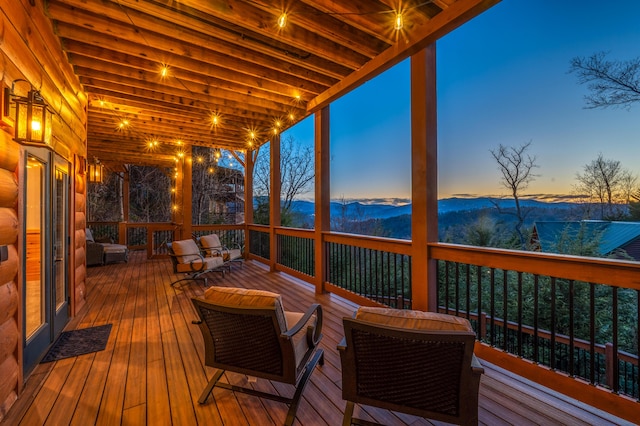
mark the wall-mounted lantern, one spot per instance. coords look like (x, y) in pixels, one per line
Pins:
(32, 119)
(96, 172)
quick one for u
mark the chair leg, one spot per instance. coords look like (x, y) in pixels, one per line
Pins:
(295, 401)
(207, 390)
(348, 414)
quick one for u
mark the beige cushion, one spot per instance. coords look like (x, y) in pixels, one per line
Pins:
(210, 241)
(88, 235)
(232, 296)
(416, 320)
(186, 250)
(209, 263)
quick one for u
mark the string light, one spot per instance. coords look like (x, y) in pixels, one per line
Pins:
(399, 22)
(282, 20)
(164, 71)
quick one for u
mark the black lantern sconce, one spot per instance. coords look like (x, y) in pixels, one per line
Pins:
(32, 119)
(96, 172)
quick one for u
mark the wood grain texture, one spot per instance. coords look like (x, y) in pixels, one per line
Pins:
(152, 371)
(8, 226)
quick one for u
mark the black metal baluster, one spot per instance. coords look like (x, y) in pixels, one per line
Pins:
(552, 353)
(571, 327)
(520, 314)
(614, 341)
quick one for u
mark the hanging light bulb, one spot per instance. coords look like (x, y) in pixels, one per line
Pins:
(399, 22)
(282, 20)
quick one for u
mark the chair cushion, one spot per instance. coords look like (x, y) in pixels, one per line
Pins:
(232, 296)
(209, 263)
(416, 320)
(210, 241)
(89, 235)
(186, 250)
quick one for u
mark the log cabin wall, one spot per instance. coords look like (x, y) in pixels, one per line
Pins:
(29, 50)
(9, 298)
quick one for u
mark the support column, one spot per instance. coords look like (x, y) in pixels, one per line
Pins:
(248, 198)
(274, 200)
(322, 193)
(424, 177)
(122, 231)
(187, 190)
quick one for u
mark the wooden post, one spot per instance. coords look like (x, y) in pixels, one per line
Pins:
(424, 178)
(125, 194)
(187, 208)
(274, 201)
(322, 193)
(176, 210)
(248, 198)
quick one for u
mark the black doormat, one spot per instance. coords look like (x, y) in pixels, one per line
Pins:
(79, 342)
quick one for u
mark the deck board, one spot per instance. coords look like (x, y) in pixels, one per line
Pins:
(152, 370)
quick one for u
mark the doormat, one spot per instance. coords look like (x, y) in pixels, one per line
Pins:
(79, 342)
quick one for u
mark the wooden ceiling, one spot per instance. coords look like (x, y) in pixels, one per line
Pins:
(231, 60)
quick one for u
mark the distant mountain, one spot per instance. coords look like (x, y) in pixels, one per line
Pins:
(446, 205)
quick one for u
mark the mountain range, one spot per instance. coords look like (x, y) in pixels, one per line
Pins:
(446, 205)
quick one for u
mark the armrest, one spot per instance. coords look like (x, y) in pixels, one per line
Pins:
(476, 367)
(342, 346)
(314, 334)
(201, 266)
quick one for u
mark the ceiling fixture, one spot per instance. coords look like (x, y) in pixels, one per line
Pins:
(282, 20)
(399, 22)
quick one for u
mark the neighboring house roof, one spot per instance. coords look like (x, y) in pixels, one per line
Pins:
(614, 235)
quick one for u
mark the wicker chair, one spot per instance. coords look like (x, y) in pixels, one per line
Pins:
(186, 258)
(412, 362)
(248, 332)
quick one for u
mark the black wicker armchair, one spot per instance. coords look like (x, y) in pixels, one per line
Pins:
(248, 332)
(413, 362)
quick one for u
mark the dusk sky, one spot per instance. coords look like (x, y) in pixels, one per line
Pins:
(502, 79)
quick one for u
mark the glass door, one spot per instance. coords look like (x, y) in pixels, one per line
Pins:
(46, 252)
(61, 243)
(36, 295)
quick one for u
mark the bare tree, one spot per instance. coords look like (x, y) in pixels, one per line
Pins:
(606, 183)
(296, 176)
(516, 167)
(612, 83)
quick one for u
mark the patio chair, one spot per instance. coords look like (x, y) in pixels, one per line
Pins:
(212, 247)
(248, 332)
(186, 258)
(413, 362)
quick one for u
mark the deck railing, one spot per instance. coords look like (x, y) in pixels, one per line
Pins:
(571, 314)
(574, 315)
(378, 269)
(259, 241)
(296, 251)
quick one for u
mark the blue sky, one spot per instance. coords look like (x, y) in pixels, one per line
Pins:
(502, 79)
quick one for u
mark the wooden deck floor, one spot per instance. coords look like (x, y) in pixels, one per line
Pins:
(152, 369)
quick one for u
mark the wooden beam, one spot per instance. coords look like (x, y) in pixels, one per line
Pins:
(257, 21)
(274, 200)
(443, 23)
(322, 193)
(424, 178)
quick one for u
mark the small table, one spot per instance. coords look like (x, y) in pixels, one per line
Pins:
(115, 253)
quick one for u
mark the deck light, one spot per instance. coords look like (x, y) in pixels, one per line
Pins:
(96, 171)
(33, 119)
(399, 22)
(282, 20)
